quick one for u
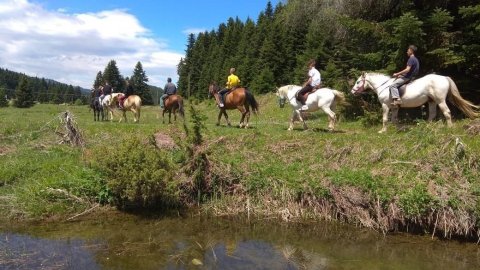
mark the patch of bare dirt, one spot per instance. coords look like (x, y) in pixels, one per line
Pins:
(4, 150)
(163, 140)
(473, 128)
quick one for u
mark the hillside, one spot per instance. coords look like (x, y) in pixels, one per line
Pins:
(407, 180)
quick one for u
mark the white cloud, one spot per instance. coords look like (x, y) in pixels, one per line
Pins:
(72, 48)
(194, 31)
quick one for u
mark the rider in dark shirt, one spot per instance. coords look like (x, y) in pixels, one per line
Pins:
(168, 90)
(405, 76)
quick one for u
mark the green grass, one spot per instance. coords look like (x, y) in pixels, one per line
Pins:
(414, 169)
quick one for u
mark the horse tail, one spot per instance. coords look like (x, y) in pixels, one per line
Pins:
(339, 97)
(180, 107)
(468, 108)
(251, 101)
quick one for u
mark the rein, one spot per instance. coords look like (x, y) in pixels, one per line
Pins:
(361, 89)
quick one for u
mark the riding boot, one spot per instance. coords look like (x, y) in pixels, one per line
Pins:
(221, 105)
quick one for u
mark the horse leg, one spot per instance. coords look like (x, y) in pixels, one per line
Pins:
(331, 118)
(135, 118)
(247, 114)
(219, 117)
(170, 116)
(174, 115)
(226, 117)
(292, 120)
(432, 110)
(299, 114)
(163, 116)
(124, 115)
(446, 112)
(242, 110)
(384, 118)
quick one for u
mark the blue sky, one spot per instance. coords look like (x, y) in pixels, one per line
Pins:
(70, 41)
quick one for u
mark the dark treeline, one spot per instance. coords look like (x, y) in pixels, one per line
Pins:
(344, 36)
(26, 90)
(39, 89)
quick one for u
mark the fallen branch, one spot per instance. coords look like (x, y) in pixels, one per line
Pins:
(84, 212)
(66, 193)
(404, 162)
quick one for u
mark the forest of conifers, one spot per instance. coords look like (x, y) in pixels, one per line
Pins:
(344, 36)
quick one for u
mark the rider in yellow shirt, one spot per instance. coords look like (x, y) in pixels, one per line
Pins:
(232, 82)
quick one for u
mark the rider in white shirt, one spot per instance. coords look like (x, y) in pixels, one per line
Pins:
(314, 80)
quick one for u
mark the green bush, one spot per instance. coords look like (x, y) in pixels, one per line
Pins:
(137, 174)
(78, 102)
(416, 201)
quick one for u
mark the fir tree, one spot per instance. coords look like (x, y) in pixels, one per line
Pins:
(23, 94)
(98, 80)
(139, 80)
(112, 75)
(3, 98)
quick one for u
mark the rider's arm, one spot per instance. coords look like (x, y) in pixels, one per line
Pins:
(308, 81)
(405, 71)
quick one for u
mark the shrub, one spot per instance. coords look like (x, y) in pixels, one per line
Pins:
(137, 174)
(78, 102)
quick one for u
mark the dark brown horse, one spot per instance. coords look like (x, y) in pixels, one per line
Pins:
(240, 98)
(96, 105)
(172, 104)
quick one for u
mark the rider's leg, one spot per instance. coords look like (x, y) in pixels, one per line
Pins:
(221, 96)
(162, 100)
(394, 90)
(305, 89)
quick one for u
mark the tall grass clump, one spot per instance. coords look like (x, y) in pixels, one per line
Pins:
(137, 174)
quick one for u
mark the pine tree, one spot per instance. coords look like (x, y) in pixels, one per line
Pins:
(98, 80)
(112, 75)
(23, 94)
(184, 68)
(407, 31)
(42, 92)
(139, 80)
(3, 99)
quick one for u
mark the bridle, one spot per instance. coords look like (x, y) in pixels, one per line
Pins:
(361, 89)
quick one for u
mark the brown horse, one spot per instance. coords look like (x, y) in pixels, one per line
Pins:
(173, 103)
(240, 98)
(132, 103)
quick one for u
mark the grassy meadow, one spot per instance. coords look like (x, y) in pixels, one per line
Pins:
(411, 179)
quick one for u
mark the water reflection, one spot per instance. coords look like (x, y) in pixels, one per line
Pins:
(25, 252)
(130, 242)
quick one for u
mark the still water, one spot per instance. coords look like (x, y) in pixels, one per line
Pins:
(193, 242)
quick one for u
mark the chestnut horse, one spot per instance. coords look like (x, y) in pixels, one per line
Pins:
(173, 103)
(132, 103)
(240, 98)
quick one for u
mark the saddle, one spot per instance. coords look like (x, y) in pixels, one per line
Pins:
(403, 89)
(305, 96)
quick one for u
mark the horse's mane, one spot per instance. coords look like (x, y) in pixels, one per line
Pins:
(286, 88)
(374, 74)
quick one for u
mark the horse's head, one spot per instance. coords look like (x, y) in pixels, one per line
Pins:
(282, 96)
(213, 89)
(360, 85)
(114, 98)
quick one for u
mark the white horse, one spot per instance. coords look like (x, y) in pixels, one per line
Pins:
(324, 98)
(106, 106)
(431, 88)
